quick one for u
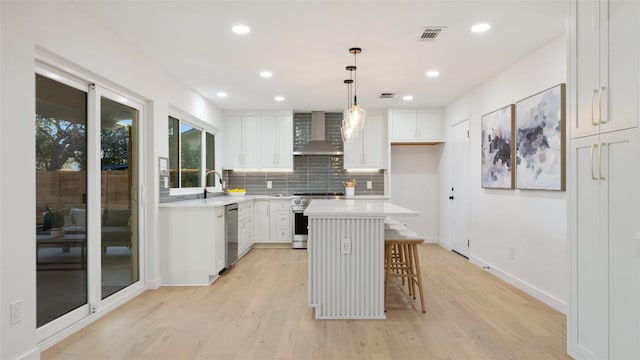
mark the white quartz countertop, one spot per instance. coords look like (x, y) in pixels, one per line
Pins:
(214, 201)
(355, 207)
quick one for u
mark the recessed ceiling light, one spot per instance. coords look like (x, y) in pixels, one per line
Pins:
(221, 94)
(241, 29)
(480, 28)
(266, 74)
(279, 98)
(433, 73)
(407, 98)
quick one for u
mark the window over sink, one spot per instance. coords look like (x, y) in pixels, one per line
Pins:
(191, 154)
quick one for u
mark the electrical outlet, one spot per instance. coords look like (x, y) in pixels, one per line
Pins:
(16, 312)
(369, 185)
(345, 246)
(269, 184)
(512, 253)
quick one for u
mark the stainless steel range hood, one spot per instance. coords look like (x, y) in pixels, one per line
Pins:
(318, 145)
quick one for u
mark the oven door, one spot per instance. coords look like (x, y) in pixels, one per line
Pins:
(300, 229)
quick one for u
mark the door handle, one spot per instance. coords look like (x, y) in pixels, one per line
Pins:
(593, 176)
(600, 160)
(600, 120)
(451, 197)
(593, 94)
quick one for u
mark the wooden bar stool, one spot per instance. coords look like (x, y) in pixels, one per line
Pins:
(402, 261)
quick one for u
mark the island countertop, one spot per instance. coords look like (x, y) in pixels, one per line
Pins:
(349, 207)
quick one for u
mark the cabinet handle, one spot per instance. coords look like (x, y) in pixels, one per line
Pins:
(593, 176)
(600, 160)
(593, 94)
(602, 89)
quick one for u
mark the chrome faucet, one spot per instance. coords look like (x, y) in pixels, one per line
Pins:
(214, 179)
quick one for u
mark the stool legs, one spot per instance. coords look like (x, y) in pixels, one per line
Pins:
(402, 260)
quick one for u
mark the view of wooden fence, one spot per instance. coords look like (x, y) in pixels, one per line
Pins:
(63, 189)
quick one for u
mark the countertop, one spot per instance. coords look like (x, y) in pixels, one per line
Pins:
(356, 207)
(214, 201)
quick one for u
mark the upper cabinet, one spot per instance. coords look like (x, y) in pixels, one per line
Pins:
(259, 141)
(368, 150)
(607, 76)
(276, 138)
(415, 126)
(242, 142)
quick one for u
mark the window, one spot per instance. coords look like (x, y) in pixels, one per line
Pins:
(189, 160)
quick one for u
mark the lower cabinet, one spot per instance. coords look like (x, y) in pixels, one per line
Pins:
(191, 244)
(245, 227)
(272, 222)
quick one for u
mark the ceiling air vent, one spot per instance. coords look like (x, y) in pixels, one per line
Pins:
(387, 95)
(431, 33)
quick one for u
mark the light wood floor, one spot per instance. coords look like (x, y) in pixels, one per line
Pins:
(258, 310)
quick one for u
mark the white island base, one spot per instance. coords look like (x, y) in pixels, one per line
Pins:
(346, 257)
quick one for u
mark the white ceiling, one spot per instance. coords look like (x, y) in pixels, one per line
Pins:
(305, 44)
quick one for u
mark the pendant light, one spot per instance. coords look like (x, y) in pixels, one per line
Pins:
(347, 129)
(354, 116)
(357, 113)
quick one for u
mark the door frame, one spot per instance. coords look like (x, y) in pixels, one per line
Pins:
(58, 329)
(455, 249)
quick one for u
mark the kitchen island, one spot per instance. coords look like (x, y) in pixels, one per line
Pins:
(346, 257)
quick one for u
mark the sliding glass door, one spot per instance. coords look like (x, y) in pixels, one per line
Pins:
(87, 188)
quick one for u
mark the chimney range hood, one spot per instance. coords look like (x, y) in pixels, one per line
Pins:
(318, 145)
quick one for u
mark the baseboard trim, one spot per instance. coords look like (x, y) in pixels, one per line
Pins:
(33, 354)
(537, 293)
(282, 245)
(153, 284)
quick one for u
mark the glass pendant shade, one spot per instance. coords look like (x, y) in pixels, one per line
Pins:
(354, 116)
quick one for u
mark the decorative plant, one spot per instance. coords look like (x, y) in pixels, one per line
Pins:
(56, 217)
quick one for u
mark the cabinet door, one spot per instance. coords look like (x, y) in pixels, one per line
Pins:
(268, 142)
(589, 300)
(234, 142)
(250, 142)
(620, 74)
(403, 124)
(429, 125)
(219, 239)
(374, 143)
(619, 183)
(284, 142)
(587, 68)
(261, 221)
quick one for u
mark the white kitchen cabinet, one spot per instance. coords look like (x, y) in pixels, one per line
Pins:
(261, 221)
(272, 223)
(245, 227)
(190, 244)
(242, 142)
(276, 142)
(219, 239)
(368, 149)
(280, 222)
(603, 175)
(415, 126)
(259, 141)
(607, 76)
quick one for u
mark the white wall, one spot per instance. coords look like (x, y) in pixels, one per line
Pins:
(60, 32)
(532, 222)
(414, 185)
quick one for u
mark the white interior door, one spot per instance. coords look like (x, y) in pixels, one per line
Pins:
(459, 195)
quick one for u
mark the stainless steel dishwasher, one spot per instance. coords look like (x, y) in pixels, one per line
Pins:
(231, 227)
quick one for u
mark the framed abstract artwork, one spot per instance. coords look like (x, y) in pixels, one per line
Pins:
(540, 140)
(497, 148)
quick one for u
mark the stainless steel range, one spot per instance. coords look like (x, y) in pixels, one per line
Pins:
(299, 202)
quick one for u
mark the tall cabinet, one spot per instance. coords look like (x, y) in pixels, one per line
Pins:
(604, 178)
